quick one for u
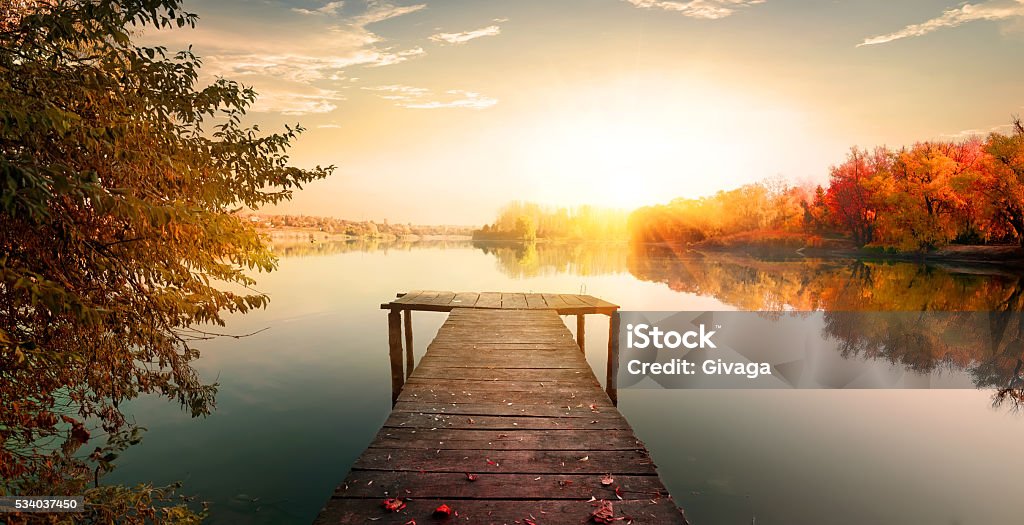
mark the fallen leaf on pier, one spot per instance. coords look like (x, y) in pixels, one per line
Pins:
(444, 511)
(394, 504)
(605, 513)
(607, 480)
(472, 477)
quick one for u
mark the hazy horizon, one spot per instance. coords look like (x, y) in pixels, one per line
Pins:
(441, 112)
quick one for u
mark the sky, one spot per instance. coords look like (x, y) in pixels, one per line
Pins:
(439, 112)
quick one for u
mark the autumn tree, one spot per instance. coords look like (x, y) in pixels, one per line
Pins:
(927, 198)
(1003, 179)
(118, 244)
(815, 217)
(853, 193)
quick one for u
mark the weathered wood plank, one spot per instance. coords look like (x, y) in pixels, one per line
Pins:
(513, 300)
(500, 374)
(581, 333)
(410, 361)
(554, 300)
(598, 421)
(635, 462)
(408, 298)
(465, 299)
(498, 362)
(645, 511)
(565, 304)
(489, 300)
(535, 300)
(507, 385)
(495, 409)
(571, 398)
(395, 352)
(598, 302)
(375, 483)
(573, 300)
(458, 439)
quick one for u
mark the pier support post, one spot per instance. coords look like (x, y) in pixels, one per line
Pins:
(395, 352)
(613, 357)
(409, 361)
(581, 329)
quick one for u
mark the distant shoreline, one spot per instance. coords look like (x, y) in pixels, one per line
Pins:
(1003, 255)
(317, 235)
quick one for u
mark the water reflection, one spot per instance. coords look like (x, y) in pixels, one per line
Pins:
(985, 345)
(840, 288)
(304, 247)
(832, 285)
(522, 260)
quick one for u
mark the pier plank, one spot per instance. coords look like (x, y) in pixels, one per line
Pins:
(441, 301)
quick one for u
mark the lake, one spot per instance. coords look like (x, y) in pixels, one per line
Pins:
(299, 401)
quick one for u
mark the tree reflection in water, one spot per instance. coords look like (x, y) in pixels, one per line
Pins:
(980, 331)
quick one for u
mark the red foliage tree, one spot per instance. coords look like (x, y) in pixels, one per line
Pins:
(852, 197)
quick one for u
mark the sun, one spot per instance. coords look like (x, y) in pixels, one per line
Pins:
(614, 161)
(651, 139)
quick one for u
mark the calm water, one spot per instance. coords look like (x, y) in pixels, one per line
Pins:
(299, 401)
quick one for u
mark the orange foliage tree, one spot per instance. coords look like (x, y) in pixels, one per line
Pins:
(916, 199)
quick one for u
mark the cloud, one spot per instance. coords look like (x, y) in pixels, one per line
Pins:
(330, 8)
(465, 36)
(297, 101)
(294, 60)
(400, 90)
(381, 11)
(991, 10)
(706, 9)
(303, 68)
(422, 98)
(389, 58)
(968, 133)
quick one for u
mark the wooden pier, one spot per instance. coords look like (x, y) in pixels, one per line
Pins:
(503, 422)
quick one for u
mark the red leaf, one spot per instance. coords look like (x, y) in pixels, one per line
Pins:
(472, 477)
(492, 463)
(607, 480)
(393, 504)
(444, 511)
(410, 522)
(604, 513)
(79, 433)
